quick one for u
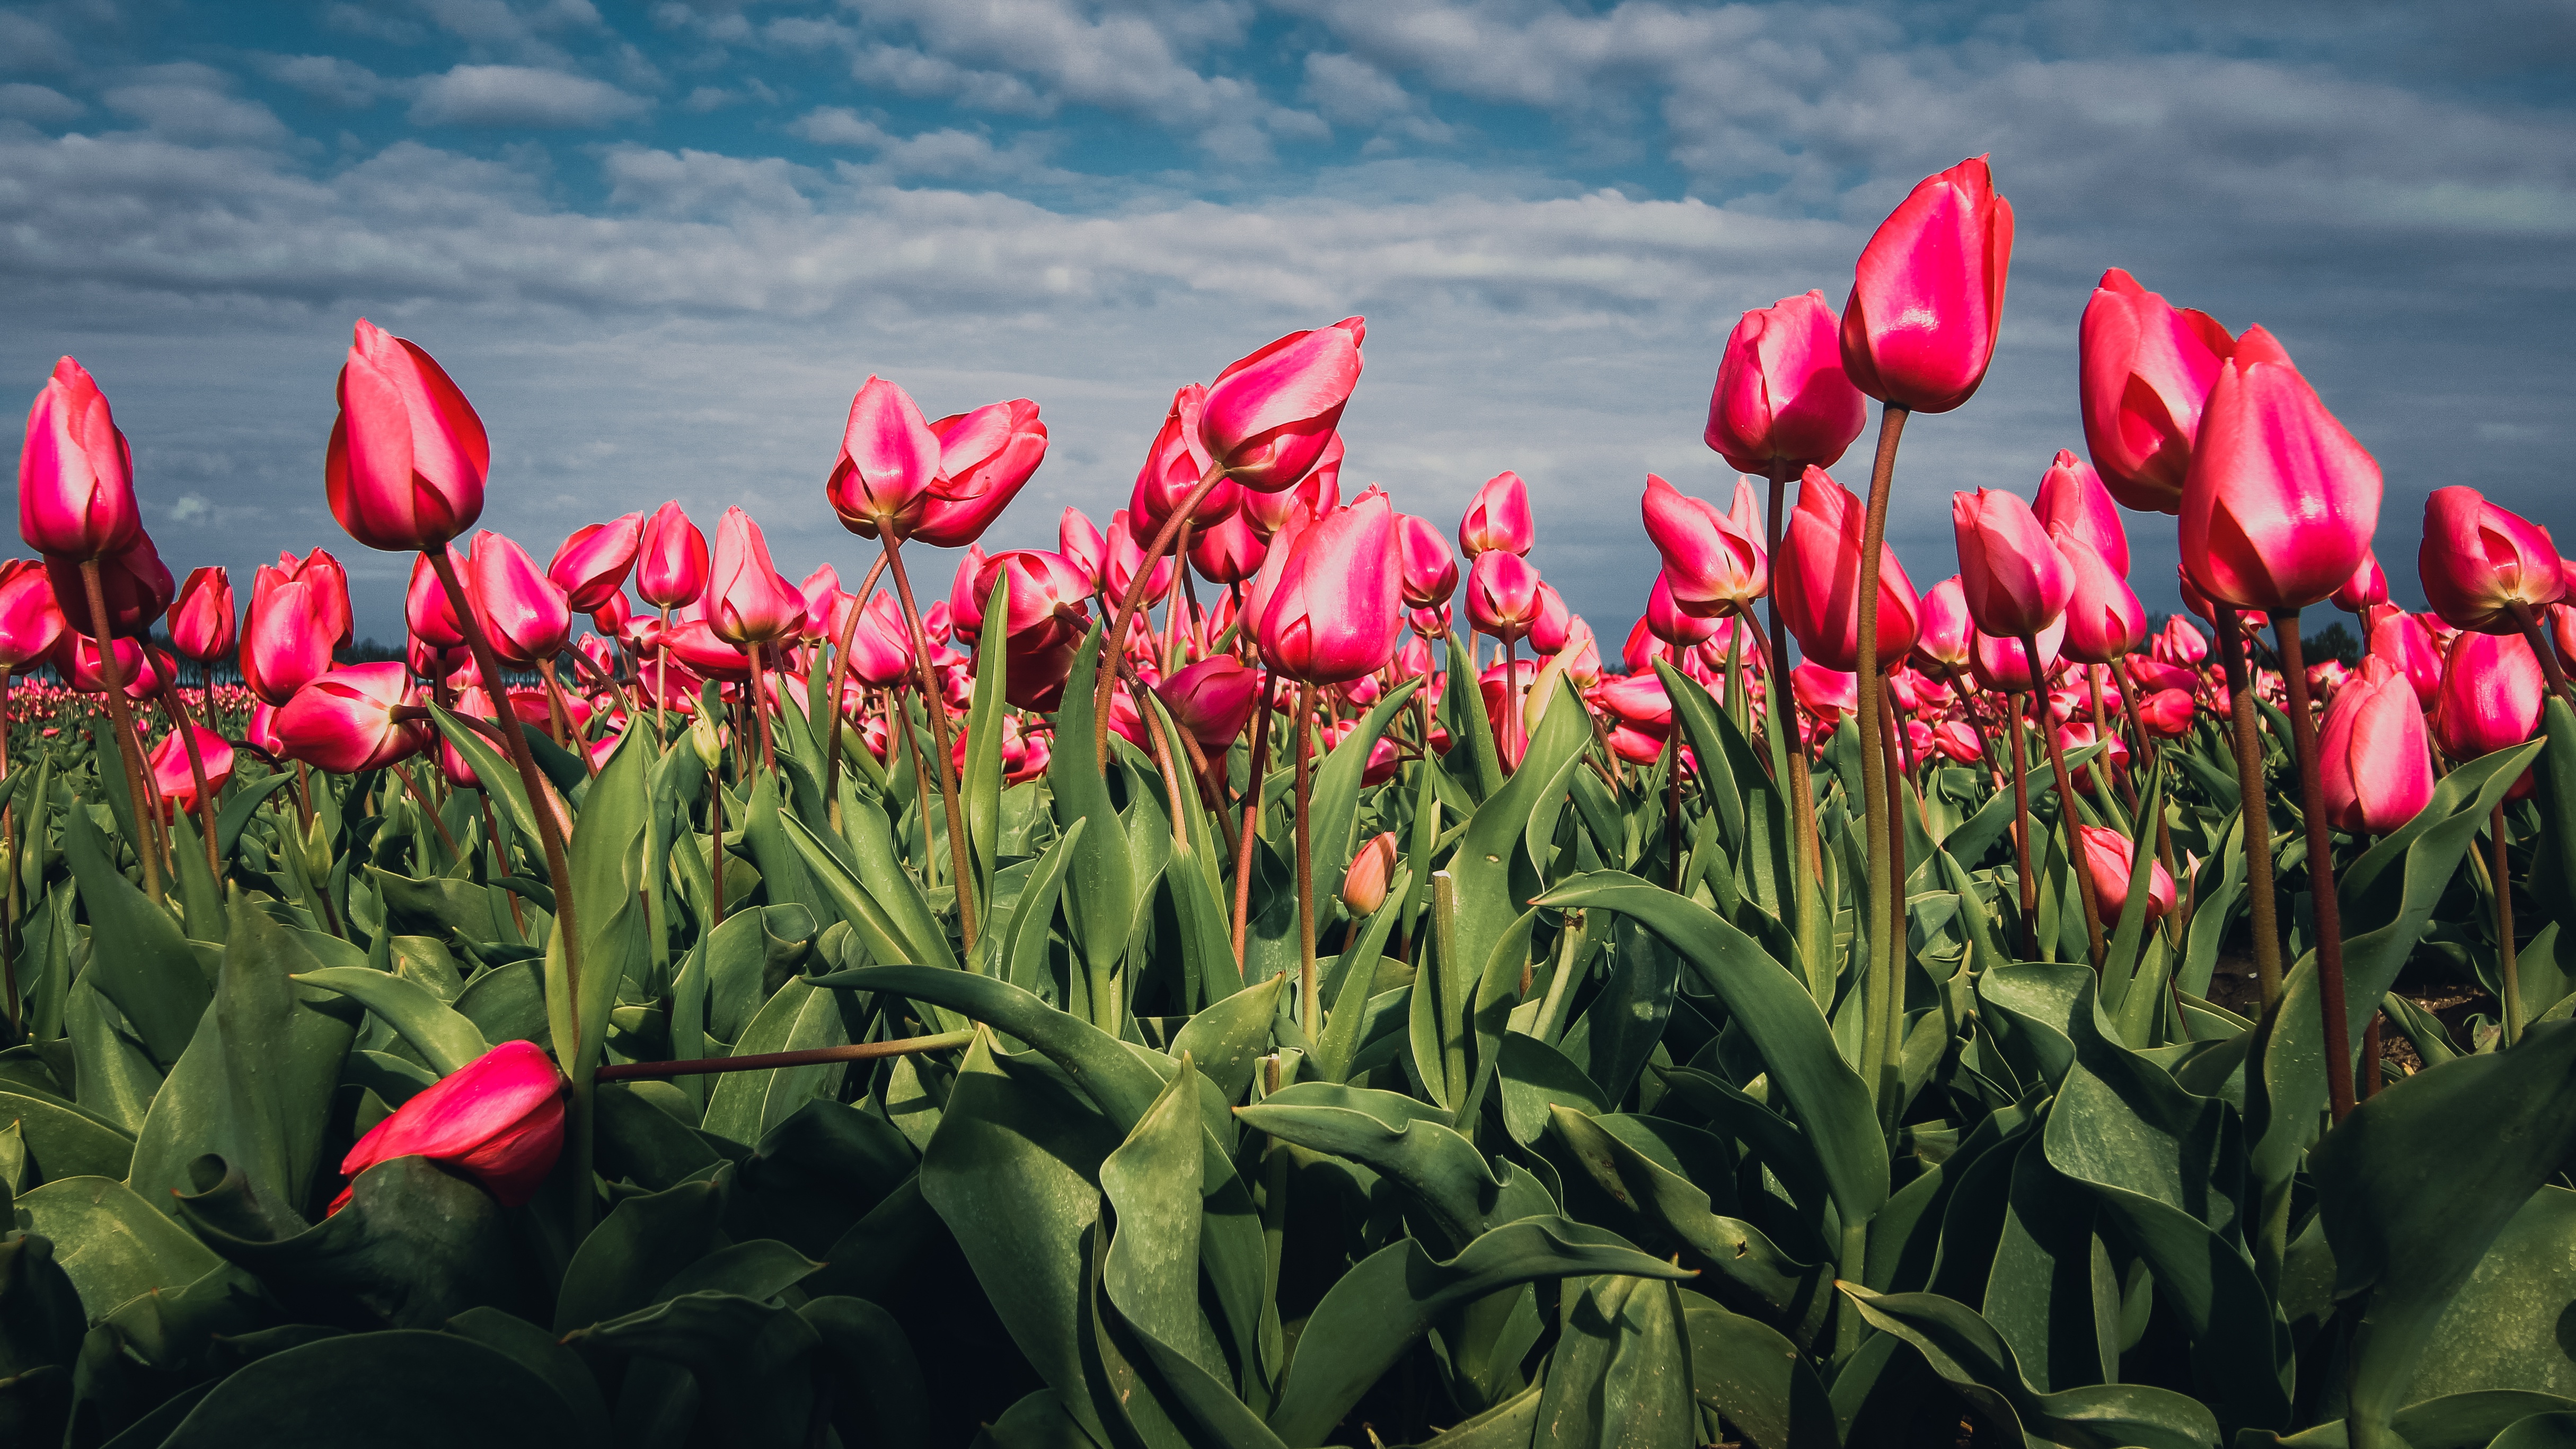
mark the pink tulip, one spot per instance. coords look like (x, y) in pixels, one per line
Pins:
(1498, 517)
(1046, 591)
(2015, 580)
(76, 658)
(2104, 620)
(1958, 743)
(2280, 503)
(881, 647)
(2167, 713)
(1553, 627)
(408, 455)
(1928, 296)
(1503, 594)
(964, 606)
(1229, 550)
(985, 458)
(2492, 693)
(2002, 664)
(1665, 619)
(821, 591)
(2401, 639)
(176, 782)
(1828, 694)
(1123, 555)
(2145, 371)
(345, 721)
(286, 636)
(2367, 588)
(76, 473)
(1268, 416)
(2376, 769)
(2108, 860)
(427, 611)
(31, 622)
(522, 610)
(1430, 569)
(670, 559)
(134, 582)
(695, 643)
(2071, 494)
(593, 563)
(1637, 700)
(201, 617)
(1327, 605)
(499, 1120)
(747, 602)
(1080, 543)
(1714, 560)
(889, 459)
(1945, 634)
(2484, 568)
(1816, 580)
(1781, 396)
(1316, 494)
(1212, 699)
(2179, 643)
(1174, 464)
(1364, 885)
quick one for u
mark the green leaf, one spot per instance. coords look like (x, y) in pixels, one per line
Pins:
(1152, 1270)
(304, 1396)
(879, 1398)
(639, 1246)
(1397, 1136)
(983, 780)
(138, 958)
(442, 1035)
(606, 860)
(1464, 703)
(877, 896)
(745, 1105)
(1482, 867)
(1226, 1038)
(501, 783)
(62, 1141)
(1756, 1378)
(2501, 1330)
(112, 1244)
(1334, 794)
(1348, 981)
(1100, 887)
(538, 1351)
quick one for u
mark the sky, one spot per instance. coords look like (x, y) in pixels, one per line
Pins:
(661, 244)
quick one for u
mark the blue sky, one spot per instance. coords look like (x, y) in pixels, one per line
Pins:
(661, 244)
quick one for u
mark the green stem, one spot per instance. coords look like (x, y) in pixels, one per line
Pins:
(1880, 1041)
(2328, 909)
(2254, 797)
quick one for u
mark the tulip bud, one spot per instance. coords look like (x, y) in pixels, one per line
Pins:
(176, 781)
(1554, 625)
(2146, 368)
(1781, 395)
(985, 458)
(2280, 503)
(2492, 693)
(746, 601)
(1816, 580)
(1503, 594)
(2167, 713)
(31, 622)
(1212, 699)
(134, 582)
(522, 610)
(2108, 860)
(1430, 569)
(1498, 517)
(707, 739)
(1946, 635)
(408, 454)
(2104, 619)
(76, 473)
(1173, 467)
(1928, 294)
(1712, 561)
(2015, 580)
(593, 563)
(1327, 605)
(1268, 416)
(889, 458)
(2484, 568)
(1315, 495)
(1229, 550)
(499, 1120)
(2367, 589)
(1665, 619)
(1080, 543)
(286, 640)
(2071, 496)
(2372, 752)
(670, 559)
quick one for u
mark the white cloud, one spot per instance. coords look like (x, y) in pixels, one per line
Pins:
(514, 95)
(326, 78)
(187, 103)
(837, 126)
(37, 103)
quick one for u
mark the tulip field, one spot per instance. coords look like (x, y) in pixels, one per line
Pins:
(1265, 975)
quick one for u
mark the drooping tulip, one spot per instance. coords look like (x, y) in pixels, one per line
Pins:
(76, 473)
(2145, 369)
(1122, 555)
(2104, 619)
(985, 458)
(1816, 580)
(498, 1120)
(592, 565)
(2483, 567)
(1714, 561)
(522, 610)
(2014, 579)
(1928, 294)
(2372, 754)
(2367, 589)
(2108, 860)
(31, 622)
(747, 602)
(1503, 594)
(2492, 693)
(1327, 605)
(1665, 619)
(2167, 713)
(1944, 633)
(1825, 692)
(408, 454)
(1229, 550)
(2280, 503)
(134, 582)
(201, 617)
(286, 637)
(1174, 464)
(1080, 542)
(1316, 494)
(2071, 495)
(1430, 569)
(670, 559)
(1268, 416)
(880, 483)
(1781, 396)
(77, 659)
(1498, 517)
(172, 776)
(346, 720)
(1213, 700)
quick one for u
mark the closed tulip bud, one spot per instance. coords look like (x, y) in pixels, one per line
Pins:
(135, 583)
(880, 484)
(593, 563)
(1229, 550)
(1928, 294)
(2071, 496)
(408, 454)
(1665, 619)
(1781, 395)
(2179, 643)
(1503, 595)
(1080, 542)
(821, 591)
(2484, 568)
(985, 458)
(176, 781)
(1498, 517)
(2408, 647)
(522, 610)
(2108, 860)
(1174, 464)
(2367, 589)
(1816, 580)
(747, 602)
(2492, 693)
(1267, 417)
(2280, 504)
(427, 611)
(1213, 700)
(499, 1120)
(2372, 751)
(1554, 625)
(1430, 569)
(76, 473)
(670, 559)
(1713, 561)
(706, 739)
(2002, 664)
(77, 659)
(201, 617)
(2145, 370)
(286, 640)
(2167, 713)
(1945, 634)
(881, 647)
(31, 622)
(2104, 619)
(966, 594)
(1316, 494)
(347, 720)
(1957, 741)
(1124, 555)
(2015, 580)
(1327, 605)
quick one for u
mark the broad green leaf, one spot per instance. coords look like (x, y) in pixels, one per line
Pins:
(112, 1244)
(1100, 886)
(746, 1104)
(444, 1037)
(138, 958)
(2501, 1329)
(1226, 1038)
(62, 1141)
(304, 1396)
(639, 1246)
(1756, 1378)
(1334, 795)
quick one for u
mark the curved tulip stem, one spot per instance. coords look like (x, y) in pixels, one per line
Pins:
(2250, 789)
(962, 871)
(2541, 646)
(1802, 812)
(1309, 1017)
(540, 794)
(2510, 973)
(2019, 747)
(1886, 983)
(661, 676)
(832, 696)
(2329, 910)
(1893, 1006)
(1116, 638)
(2178, 923)
(1251, 807)
(865, 1051)
(446, 836)
(715, 847)
(1175, 607)
(2067, 818)
(899, 715)
(180, 725)
(122, 722)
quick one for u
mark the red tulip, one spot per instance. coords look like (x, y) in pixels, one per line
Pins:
(408, 454)
(345, 721)
(1781, 396)
(1957, 741)
(135, 583)
(2166, 714)
(1928, 296)
(2401, 639)
(1080, 543)
(76, 473)
(2002, 664)
(1364, 885)
(592, 565)
(695, 643)
(2108, 860)
(1639, 701)
(1316, 494)
(1268, 416)
(1553, 627)
(1713, 561)
(747, 602)
(1123, 555)
(1213, 700)
(670, 559)
(821, 591)
(176, 782)
(1046, 591)
(2104, 619)
(522, 610)
(76, 659)
(2367, 588)
(1945, 634)
(1327, 605)
(1665, 619)
(1816, 580)
(2071, 494)
(1173, 467)
(1498, 517)
(2280, 503)
(1827, 693)
(2479, 562)
(427, 611)
(1430, 569)
(330, 589)
(1039, 662)
(30, 621)
(286, 636)
(2492, 694)
(889, 460)
(1503, 594)
(499, 1120)
(1229, 550)
(2376, 769)
(985, 458)
(2145, 370)
(201, 617)
(2015, 580)
(881, 647)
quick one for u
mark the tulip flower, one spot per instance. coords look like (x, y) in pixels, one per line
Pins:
(880, 647)
(1267, 417)
(2002, 664)
(985, 458)
(1816, 580)
(1503, 595)
(1958, 743)
(2015, 580)
(2104, 620)
(427, 611)
(1827, 693)
(1665, 619)
(2179, 643)
(2145, 370)
(1945, 634)
(346, 721)
(2402, 640)
(1714, 561)
(1327, 605)
(2167, 713)
(2108, 860)
(522, 610)
(31, 622)
(201, 616)
(880, 484)
(592, 565)
(1781, 397)
(670, 559)
(2372, 753)
(1637, 700)
(408, 455)
(2367, 589)
(76, 658)
(1928, 294)
(1047, 591)
(747, 603)
(821, 591)
(1498, 517)
(76, 472)
(2491, 697)
(1430, 569)
(499, 1120)
(135, 583)
(1039, 663)
(1080, 543)
(176, 782)
(1229, 550)
(1174, 464)
(2484, 568)
(286, 637)
(2071, 494)
(696, 644)
(1213, 700)
(1122, 556)
(1315, 495)
(1553, 626)
(1364, 886)
(2280, 503)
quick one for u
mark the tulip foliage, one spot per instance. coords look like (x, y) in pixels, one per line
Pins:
(1207, 984)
